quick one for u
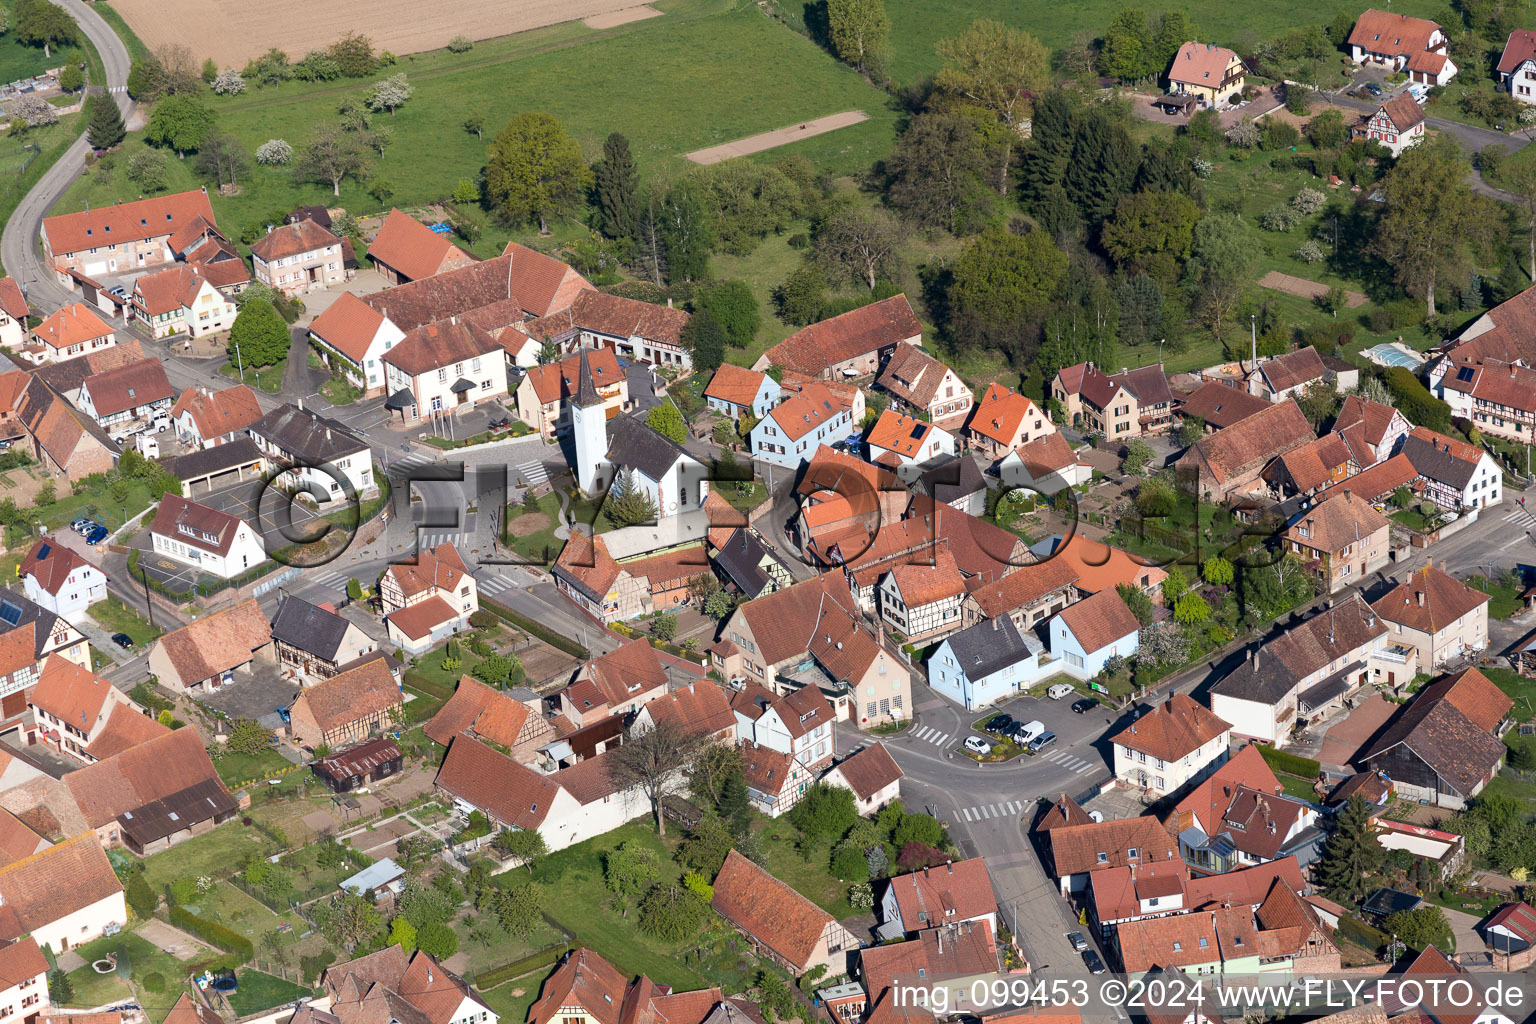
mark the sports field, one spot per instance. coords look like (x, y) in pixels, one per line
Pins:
(234, 31)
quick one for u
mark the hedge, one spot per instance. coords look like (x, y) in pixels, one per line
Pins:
(1293, 764)
(212, 932)
(533, 628)
(545, 957)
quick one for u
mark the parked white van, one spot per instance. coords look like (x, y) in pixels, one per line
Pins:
(1060, 690)
(1025, 734)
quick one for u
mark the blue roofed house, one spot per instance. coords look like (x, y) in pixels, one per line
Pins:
(991, 661)
(1087, 634)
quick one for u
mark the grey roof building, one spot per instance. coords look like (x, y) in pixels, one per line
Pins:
(316, 642)
(751, 565)
(305, 437)
(992, 646)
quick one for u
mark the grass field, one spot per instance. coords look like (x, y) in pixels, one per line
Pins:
(236, 768)
(642, 79)
(116, 617)
(18, 60)
(916, 25)
(207, 854)
(260, 991)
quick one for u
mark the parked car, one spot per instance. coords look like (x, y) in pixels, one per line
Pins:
(1085, 705)
(1059, 691)
(82, 526)
(1042, 741)
(123, 640)
(97, 535)
(1025, 734)
(977, 745)
(1374, 89)
(999, 723)
(1092, 962)
(283, 714)
(1078, 942)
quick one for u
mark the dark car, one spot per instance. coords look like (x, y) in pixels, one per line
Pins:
(1092, 962)
(1374, 89)
(97, 535)
(1085, 705)
(999, 723)
(123, 640)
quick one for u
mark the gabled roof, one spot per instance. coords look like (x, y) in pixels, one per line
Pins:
(1221, 405)
(218, 642)
(638, 447)
(348, 325)
(129, 387)
(125, 222)
(1259, 824)
(870, 328)
(902, 434)
(1380, 480)
(479, 709)
(912, 375)
(812, 407)
(166, 291)
(218, 412)
(803, 710)
(1441, 458)
(1148, 383)
(17, 840)
(1376, 417)
(126, 727)
(557, 382)
(74, 695)
(768, 909)
(1335, 523)
(1403, 111)
(699, 708)
(1201, 64)
(921, 584)
(933, 896)
(297, 239)
(12, 301)
(1024, 586)
(72, 325)
(1314, 463)
(1173, 729)
(412, 248)
(869, 770)
(613, 315)
(1518, 48)
(1298, 367)
(201, 526)
(1392, 34)
(46, 887)
(584, 563)
(583, 979)
(318, 631)
(1102, 566)
(512, 793)
(735, 385)
(441, 344)
(1046, 454)
(420, 619)
(1278, 665)
(783, 622)
(439, 568)
(1211, 797)
(1250, 443)
(50, 564)
(625, 671)
(541, 284)
(999, 412)
(1099, 620)
(992, 645)
(142, 774)
(1449, 725)
(1429, 600)
(1064, 811)
(1519, 918)
(1248, 886)
(1077, 848)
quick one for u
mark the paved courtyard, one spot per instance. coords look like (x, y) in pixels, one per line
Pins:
(255, 695)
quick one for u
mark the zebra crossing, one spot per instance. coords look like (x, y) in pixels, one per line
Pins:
(411, 461)
(493, 585)
(428, 538)
(1066, 760)
(928, 734)
(1001, 809)
(334, 580)
(1520, 516)
(530, 474)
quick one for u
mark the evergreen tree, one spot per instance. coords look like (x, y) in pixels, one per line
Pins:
(618, 189)
(734, 808)
(1102, 166)
(1044, 165)
(104, 123)
(1351, 853)
(1141, 309)
(627, 504)
(706, 339)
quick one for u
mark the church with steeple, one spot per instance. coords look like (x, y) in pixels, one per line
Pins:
(607, 450)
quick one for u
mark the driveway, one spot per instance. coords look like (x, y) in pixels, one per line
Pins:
(255, 695)
(1464, 928)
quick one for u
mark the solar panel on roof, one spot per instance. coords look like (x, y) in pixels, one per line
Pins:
(10, 612)
(917, 430)
(42, 552)
(1465, 373)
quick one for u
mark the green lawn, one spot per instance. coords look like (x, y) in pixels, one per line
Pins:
(643, 80)
(18, 60)
(116, 617)
(143, 959)
(1296, 786)
(1411, 518)
(267, 378)
(808, 877)
(235, 767)
(1504, 600)
(226, 847)
(98, 503)
(532, 545)
(1519, 688)
(512, 1000)
(258, 991)
(916, 25)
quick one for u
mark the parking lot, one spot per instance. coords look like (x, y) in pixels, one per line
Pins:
(279, 520)
(949, 730)
(177, 577)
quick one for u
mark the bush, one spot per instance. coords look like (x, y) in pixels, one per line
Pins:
(1308, 201)
(212, 932)
(460, 44)
(274, 151)
(1415, 401)
(1310, 252)
(1293, 764)
(1279, 218)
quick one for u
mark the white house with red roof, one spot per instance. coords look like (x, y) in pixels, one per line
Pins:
(1517, 65)
(353, 336)
(68, 331)
(792, 431)
(934, 897)
(207, 419)
(1176, 743)
(798, 724)
(205, 538)
(425, 602)
(920, 383)
(921, 602)
(62, 581)
(13, 313)
(1046, 464)
(1003, 420)
(122, 237)
(299, 257)
(1512, 928)
(903, 443)
(1087, 634)
(1415, 46)
(180, 300)
(85, 716)
(1212, 74)
(736, 390)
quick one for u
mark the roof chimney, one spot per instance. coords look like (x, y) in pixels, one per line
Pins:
(1420, 595)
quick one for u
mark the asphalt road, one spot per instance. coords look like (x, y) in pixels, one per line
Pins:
(19, 242)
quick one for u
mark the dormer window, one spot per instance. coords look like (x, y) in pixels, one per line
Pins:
(1103, 858)
(1178, 947)
(1131, 853)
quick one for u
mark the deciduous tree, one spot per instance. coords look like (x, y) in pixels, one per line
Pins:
(935, 172)
(45, 24)
(998, 67)
(706, 340)
(535, 170)
(222, 158)
(179, 123)
(1002, 285)
(732, 305)
(259, 335)
(653, 761)
(685, 233)
(864, 244)
(859, 29)
(1129, 52)
(331, 155)
(390, 93)
(1151, 233)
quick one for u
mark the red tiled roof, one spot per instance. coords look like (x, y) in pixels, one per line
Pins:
(297, 239)
(542, 284)
(933, 896)
(768, 909)
(434, 346)
(355, 695)
(73, 324)
(125, 222)
(439, 568)
(625, 671)
(220, 412)
(412, 248)
(699, 708)
(139, 775)
(49, 885)
(858, 332)
(1201, 64)
(924, 584)
(1046, 454)
(735, 384)
(476, 707)
(1099, 620)
(126, 728)
(129, 387)
(1518, 48)
(1221, 405)
(1337, 522)
(1392, 34)
(783, 622)
(17, 840)
(870, 770)
(1173, 729)
(218, 642)
(1299, 366)
(913, 376)
(12, 301)
(52, 570)
(586, 562)
(1428, 601)
(1076, 848)
(1252, 442)
(348, 325)
(902, 434)
(1211, 797)
(420, 619)
(998, 415)
(1380, 480)
(613, 315)
(1403, 111)
(1245, 886)
(513, 794)
(800, 414)
(556, 382)
(74, 695)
